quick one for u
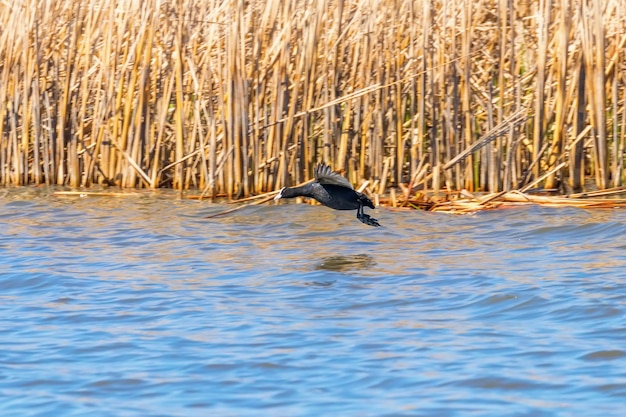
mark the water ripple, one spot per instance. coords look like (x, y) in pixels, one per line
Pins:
(141, 306)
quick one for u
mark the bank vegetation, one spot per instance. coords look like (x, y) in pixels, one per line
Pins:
(239, 98)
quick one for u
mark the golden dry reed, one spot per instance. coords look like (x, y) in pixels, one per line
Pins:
(239, 98)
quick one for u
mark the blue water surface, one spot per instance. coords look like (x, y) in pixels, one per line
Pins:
(142, 306)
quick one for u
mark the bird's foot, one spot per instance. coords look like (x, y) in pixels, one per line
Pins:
(368, 220)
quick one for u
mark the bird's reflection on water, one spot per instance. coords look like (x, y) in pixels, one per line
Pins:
(345, 263)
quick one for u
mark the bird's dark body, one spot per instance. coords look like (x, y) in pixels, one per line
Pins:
(330, 195)
(334, 191)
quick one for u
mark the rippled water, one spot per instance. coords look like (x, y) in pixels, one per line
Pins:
(140, 306)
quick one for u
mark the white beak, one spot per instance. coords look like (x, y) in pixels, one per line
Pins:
(280, 194)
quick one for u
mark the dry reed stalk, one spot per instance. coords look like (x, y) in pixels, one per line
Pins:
(561, 80)
(471, 204)
(179, 117)
(507, 16)
(622, 141)
(465, 90)
(255, 197)
(38, 176)
(502, 128)
(600, 193)
(94, 194)
(576, 152)
(593, 50)
(543, 23)
(563, 201)
(417, 176)
(543, 177)
(162, 108)
(261, 201)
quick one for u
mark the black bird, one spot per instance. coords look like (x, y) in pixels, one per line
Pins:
(334, 191)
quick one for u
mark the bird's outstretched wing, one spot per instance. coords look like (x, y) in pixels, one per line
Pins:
(325, 175)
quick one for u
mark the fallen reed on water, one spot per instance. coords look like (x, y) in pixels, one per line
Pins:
(240, 98)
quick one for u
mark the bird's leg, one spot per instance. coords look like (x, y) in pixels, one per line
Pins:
(364, 218)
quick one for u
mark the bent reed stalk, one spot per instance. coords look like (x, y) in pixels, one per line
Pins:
(242, 98)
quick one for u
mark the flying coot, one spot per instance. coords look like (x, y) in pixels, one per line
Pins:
(334, 191)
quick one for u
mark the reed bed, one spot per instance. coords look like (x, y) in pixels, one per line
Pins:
(469, 203)
(241, 98)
